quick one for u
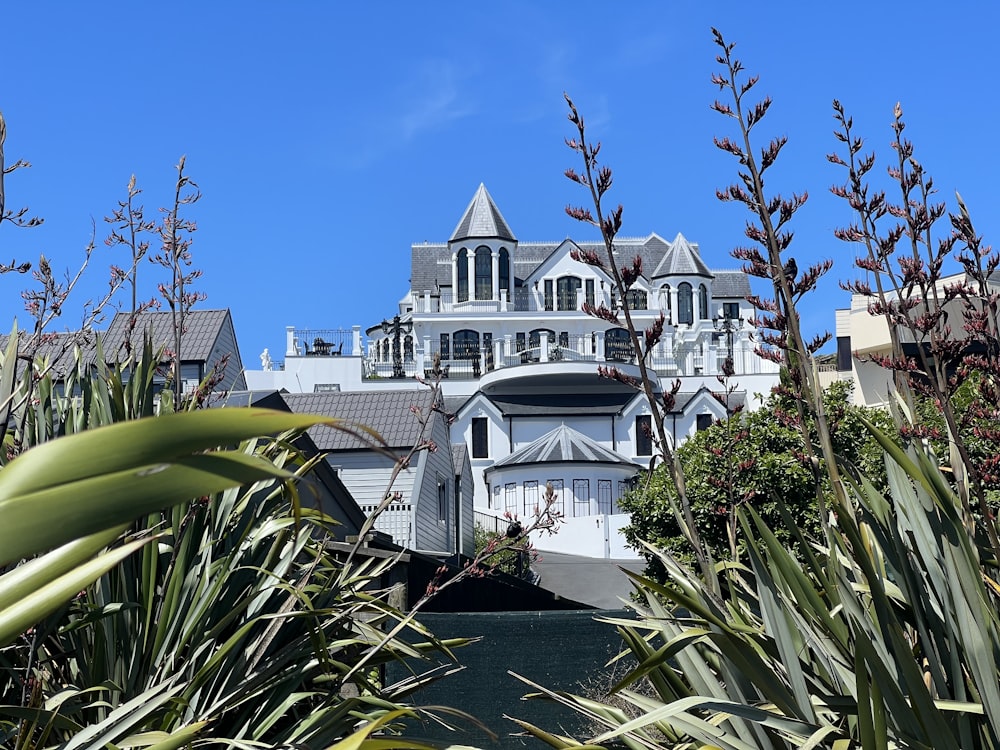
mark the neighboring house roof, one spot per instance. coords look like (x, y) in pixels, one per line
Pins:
(560, 404)
(482, 219)
(459, 451)
(58, 348)
(562, 445)
(681, 260)
(201, 331)
(392, 414)
(350, 514)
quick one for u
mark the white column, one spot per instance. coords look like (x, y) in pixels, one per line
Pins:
(600, 346)
(508, 348)
(291, 348)
(470, 259)
(543, 344)
(454, 280)
(495, 269)
(673, 305)
(355, 341)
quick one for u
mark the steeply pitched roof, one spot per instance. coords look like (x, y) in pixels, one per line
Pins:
(389, 413)
(458, 453)
(202, 329)
(431, 264)
(482, 219)
(563, 444)
(59, 349)
(681, 260)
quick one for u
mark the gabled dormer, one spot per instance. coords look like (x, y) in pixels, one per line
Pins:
(482, 249)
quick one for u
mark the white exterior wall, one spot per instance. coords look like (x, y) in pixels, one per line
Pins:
(569, 504)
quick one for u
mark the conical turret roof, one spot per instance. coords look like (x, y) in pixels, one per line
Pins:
(681, 260)
(482, 220)
(563, 444)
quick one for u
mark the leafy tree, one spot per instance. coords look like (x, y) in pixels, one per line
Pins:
(753, 458)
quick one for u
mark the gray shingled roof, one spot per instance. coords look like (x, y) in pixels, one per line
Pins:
(682, 260)
(430, 263)
(559, 404)
(681, 400)
(458, 453)
(482, 219)
(57, 348)
(730, 284)
(563, 444)
(389, 413)
(202, 328)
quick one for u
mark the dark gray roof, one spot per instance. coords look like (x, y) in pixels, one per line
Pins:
(681, 400)
(392, 414)
(459, 451)
(482, 219)
(452, 404)
(201, 331)
(681, 260)
(563, 444)
(557, 404)
(430, 263)
(730, 284)
(58, 348)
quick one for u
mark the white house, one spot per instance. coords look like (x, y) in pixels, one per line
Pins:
(503, 320)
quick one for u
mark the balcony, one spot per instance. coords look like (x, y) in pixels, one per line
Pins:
(549, 354)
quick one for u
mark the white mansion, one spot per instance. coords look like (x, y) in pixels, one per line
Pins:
(519, 360)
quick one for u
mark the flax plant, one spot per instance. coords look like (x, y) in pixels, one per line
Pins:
(882, 632)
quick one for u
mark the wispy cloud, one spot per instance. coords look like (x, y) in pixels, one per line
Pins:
(434, 99)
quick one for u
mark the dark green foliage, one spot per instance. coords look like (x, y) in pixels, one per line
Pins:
(755, 458)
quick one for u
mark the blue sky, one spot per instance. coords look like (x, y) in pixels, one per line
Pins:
(328, 137)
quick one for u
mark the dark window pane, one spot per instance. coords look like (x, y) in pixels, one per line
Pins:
(644, 435)
(480, 437)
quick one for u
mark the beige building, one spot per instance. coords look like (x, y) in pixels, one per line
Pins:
(861, 334)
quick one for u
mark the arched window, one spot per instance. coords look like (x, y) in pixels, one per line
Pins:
(566, 292)
(408, 348)
(685, 303)
(636, 299)
(666, 304)
(617, 346)
(462, 261)
(484, 273)
(703, 302)
(465, 344)
(505, 272)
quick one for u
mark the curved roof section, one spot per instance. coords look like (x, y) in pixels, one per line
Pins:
(482, 219)
(563, 444)
(681, 260)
